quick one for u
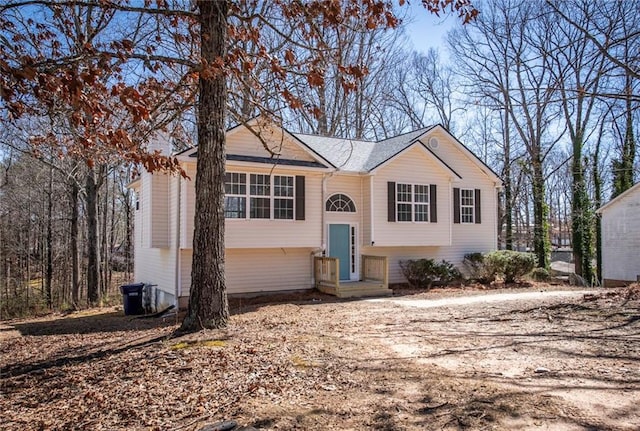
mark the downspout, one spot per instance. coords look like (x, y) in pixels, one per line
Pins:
(371, 217)
(451, 212)
(178, 278)
(325, 177)
(323, 245)
(496, 204)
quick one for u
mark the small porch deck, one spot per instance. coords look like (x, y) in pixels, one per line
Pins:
(374, 277)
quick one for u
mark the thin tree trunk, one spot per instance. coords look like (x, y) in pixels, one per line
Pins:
(128, 230)
(208, 306)
(103, 241)
(581, 216)
(75, 270)
(49, 239)
(597, 187)
(91, 192)
(111, 233)
(508, 198)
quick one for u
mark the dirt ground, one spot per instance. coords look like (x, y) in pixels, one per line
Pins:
(452, 359)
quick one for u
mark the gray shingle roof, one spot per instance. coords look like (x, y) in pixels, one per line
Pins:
(359, 156)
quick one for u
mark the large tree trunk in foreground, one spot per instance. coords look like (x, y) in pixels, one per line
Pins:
(208, 306)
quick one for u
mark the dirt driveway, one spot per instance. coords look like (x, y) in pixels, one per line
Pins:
(449, 359)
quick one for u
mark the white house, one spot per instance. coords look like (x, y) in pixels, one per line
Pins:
(368, 204)
(621, 238)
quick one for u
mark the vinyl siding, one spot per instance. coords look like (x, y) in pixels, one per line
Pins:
(260, 270)
(186, 259)
(253, 233)
(159, 203)
(188, 206)
(243, 142)
(366, 211)
(453, 254)
(621, 239)
(411, 167)
(351, 186)
(155, 242)
(471, 236)
(271, 255)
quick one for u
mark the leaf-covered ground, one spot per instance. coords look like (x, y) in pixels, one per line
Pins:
(317, 363)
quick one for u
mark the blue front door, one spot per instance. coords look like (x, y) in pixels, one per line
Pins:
(339, 247)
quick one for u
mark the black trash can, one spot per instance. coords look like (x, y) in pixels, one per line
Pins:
(132, 298)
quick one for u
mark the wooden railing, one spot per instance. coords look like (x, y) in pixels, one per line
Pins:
(327, 272)
(375, 268)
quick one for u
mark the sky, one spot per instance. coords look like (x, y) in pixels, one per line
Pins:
(426, 30)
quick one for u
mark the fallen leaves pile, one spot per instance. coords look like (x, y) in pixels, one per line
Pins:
(317, 363)
(120, 372)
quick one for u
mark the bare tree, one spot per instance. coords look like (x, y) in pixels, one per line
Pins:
(579, 69)
(502, 56)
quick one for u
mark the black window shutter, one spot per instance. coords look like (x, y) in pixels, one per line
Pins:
(391, 201)
(433, 203)
(300, 205)
(477, 202)
(456, 205)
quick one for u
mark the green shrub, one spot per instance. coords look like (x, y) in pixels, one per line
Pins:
(479, 269)
(424, 273)
(540, 274)
(513, 265)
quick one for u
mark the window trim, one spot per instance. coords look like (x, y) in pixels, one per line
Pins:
(349, 202)
(236, 195)
(413, 203)
(271, 196)
(291, 199)
(472, 206)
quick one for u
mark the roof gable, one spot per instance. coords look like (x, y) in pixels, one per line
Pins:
(262, 142)
(346, 155)
(619, 198)
(353, 155)
(359, 156)
(470, 155)
(396, 158)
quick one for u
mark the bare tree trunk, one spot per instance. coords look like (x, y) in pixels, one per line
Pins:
(508, 196)
(540, 216)
(128, 240)
(623, 168)
(112, 235)
(208, 306)
(49, 240)
(91, 193)
(75, 270)
(103, 240)
(597, 189)
(581, 216)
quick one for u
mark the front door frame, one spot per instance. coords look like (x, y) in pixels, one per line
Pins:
(354, 248)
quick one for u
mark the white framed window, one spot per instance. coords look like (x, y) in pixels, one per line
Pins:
(259, 196)
(421, 202)
(412, 202)
(235, 202)
(467, 205)
(283, 189)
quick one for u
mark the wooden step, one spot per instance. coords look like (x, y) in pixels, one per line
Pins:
(363, 292)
